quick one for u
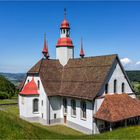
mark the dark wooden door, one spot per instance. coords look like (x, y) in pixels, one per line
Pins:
(65, 119)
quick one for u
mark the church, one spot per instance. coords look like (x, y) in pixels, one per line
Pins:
(89, 94)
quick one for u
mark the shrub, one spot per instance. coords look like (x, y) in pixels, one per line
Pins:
(4, 95)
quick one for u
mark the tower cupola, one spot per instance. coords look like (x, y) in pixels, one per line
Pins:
(65, 27)
(64, 46)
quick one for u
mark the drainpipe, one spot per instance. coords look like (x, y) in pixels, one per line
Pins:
(48, 110)
(92, 116)
(94, 109)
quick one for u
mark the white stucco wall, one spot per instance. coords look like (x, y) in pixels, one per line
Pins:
(55, 107)
(87, 123)
(26, 109)
(120, 77)
(64, 54)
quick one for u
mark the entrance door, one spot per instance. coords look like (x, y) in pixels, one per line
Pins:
(65, 119)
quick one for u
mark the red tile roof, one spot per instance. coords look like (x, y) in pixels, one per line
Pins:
(118, 107)
(64, 42)
(30, 88)
(65, 24)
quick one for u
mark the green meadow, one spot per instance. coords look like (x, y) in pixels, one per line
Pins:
(12, 127)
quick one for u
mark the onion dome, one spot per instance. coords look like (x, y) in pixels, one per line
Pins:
(64, 42)
(65, 24)
(82, 51)
(30, 88)
(45, 48)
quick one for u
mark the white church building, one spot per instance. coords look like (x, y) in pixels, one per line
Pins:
(89, 94)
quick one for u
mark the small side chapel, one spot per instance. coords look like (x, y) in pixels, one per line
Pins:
(89, 94)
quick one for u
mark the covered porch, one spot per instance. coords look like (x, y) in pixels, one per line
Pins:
(109, 126)
(118, 110)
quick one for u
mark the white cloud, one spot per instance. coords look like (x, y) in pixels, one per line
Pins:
(129, 64)
(138, 63)
(126, 61)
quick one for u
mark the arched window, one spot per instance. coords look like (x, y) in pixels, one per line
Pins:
(73, 107)
(115, 86)
(35, 105)
(28, 81)
(67, 33)
(65, 105)
(83, 109)
(123, 87)
(38, 84)
(106, 88)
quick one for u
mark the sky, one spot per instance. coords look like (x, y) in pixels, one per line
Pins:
(106, 28)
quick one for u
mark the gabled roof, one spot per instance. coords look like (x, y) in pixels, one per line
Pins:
(80, 78)
(118, 107)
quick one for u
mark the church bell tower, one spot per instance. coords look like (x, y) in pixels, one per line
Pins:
(64, 47)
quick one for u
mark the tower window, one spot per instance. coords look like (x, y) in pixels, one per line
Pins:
(35, 105)
(123, 87)
(115, 86)
(73, 107)
(64, 31)
(106, 88)
(67, 33)
(38, 84)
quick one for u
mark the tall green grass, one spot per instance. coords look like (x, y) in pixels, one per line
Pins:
(12, 127)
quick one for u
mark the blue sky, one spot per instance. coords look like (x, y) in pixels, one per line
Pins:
(106, 28)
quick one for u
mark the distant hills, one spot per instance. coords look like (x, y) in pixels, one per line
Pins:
(16, 78)
(134, 75)
(7, 89)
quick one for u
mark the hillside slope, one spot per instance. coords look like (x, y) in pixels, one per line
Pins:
(11, 127)
(15, 78)
(7, 89)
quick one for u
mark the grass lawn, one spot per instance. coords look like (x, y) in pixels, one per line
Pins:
(8, 101)
(12, 127)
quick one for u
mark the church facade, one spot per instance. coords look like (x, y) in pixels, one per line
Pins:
(89, 94)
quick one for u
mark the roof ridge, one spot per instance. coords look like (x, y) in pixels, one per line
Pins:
(94, 56)
(85, 66)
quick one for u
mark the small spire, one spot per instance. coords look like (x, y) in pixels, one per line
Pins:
(82, 51)
(65, 13)
(45, 48)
